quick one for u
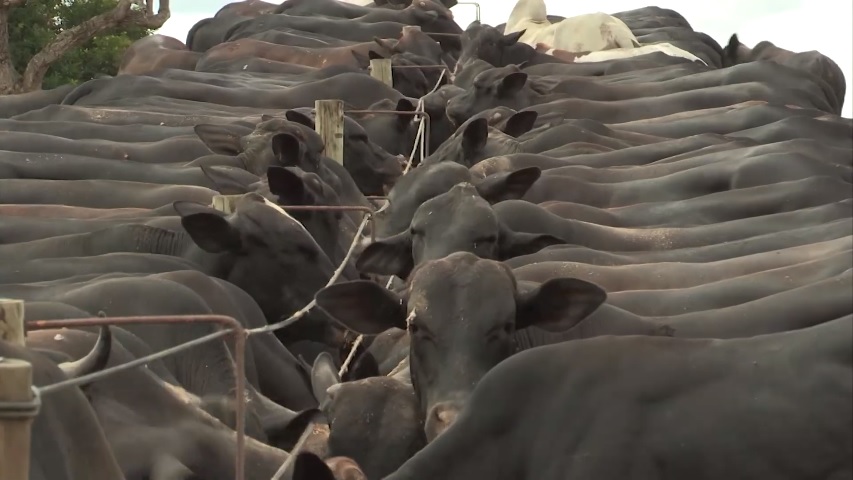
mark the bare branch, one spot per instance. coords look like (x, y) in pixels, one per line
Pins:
(121, 15)
(8, 4)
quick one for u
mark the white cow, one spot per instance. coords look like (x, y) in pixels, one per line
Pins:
(592, 32)
(618, 53)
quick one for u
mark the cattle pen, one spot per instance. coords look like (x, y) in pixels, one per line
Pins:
(390, 252)
(20, 400)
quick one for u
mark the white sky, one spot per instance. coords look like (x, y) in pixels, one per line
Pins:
(823, 25)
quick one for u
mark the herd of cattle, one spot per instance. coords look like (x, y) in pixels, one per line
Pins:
(633, 268)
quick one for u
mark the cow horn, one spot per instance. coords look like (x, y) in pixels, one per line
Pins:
(95, 360)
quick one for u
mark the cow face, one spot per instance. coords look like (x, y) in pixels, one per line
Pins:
(371, 167)
(461, 313)
(291, 186)
(504, 86)
(486, 43)
(429, 181)
(393, 133)
(395, 431)
(272, 257)
(459, 220)
(435, 104)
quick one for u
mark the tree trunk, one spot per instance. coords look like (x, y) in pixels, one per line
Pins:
(9, 78)
(124, 14)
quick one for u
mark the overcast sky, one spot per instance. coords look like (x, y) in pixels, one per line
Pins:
(823, 25)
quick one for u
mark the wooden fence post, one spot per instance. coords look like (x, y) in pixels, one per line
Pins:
(16, 377)
(12, 322)
(329, 124)
(224, 203)
(380, 69)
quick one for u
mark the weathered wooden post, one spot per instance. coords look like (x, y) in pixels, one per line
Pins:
(16, 377)
(380, 69)
(224, 203)
(329, 124)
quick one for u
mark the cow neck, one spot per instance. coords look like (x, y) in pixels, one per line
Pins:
(179, 244)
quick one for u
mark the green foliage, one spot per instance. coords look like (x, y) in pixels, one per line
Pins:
(34, 24)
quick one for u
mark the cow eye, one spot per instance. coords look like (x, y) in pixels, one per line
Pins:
(414, 231)
(413, 329)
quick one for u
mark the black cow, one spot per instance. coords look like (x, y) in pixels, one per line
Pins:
(67, 439)
(459, 220)
(821, 67)
(566, 420)
(456, 338)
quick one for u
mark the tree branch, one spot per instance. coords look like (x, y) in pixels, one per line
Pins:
(122, 14)
(9, 4)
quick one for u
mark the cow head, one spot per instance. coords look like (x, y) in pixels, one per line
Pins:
(411, 82)
(462, 313)
(488, 44)
(395, 432)
(504, 86)
(475, 140)
(459, 220)
(370, 166)
(269, 255)
(291, 186)
(428, 181)
(433, 17)
(394, 133)
(435, 105)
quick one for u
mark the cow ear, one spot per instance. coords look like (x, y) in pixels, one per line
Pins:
(300, 118)
(324, 374)
(731, 50)
(308, 466)
(222, 180)
(513, 244)
(512, 38)
(287, 149)
(558, 304)
(364, 366)
(386, 43)
(508, 185)
(362, 306)
(221, 139)
(360, 58)
(512, 83)
(284, 433)
(520, 123)
(475, 135)
(389, 256)
(286, 185)
(211, 232)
